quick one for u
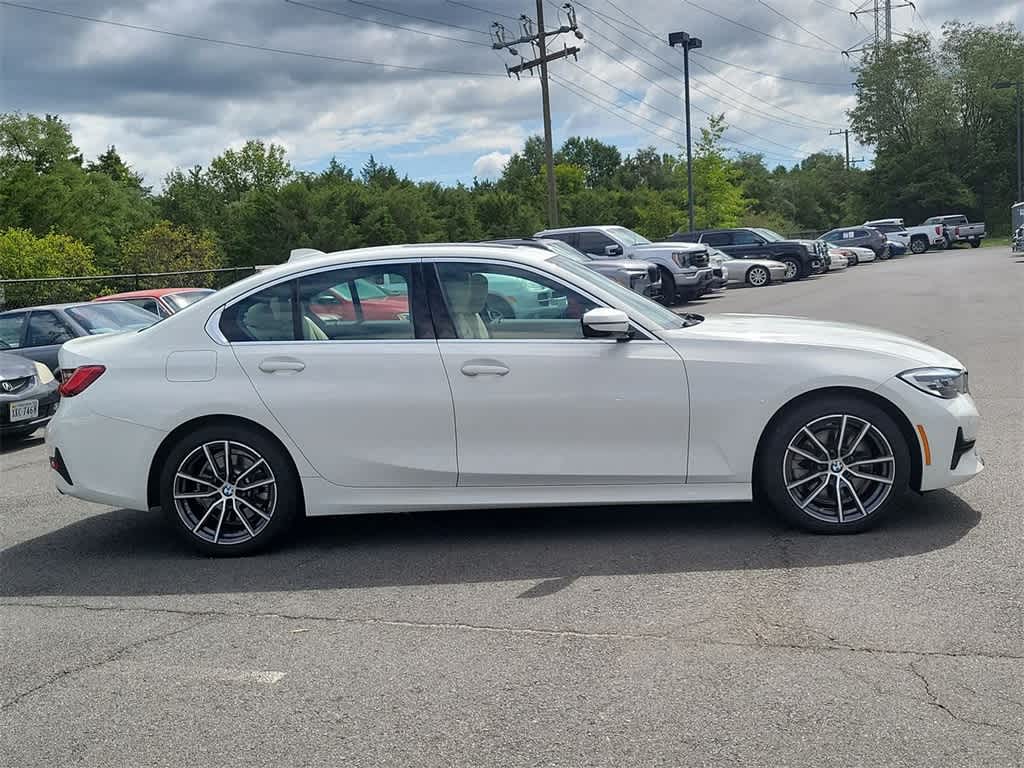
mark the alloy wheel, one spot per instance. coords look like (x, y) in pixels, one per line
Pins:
(758, 276)
(792, 270)
(839, 468)
(225, 492)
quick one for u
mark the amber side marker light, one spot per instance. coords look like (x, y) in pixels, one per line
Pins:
(924, 444)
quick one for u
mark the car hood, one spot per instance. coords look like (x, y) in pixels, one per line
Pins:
(631, 265)
(775, 329)
(15, 367)
(669, 245)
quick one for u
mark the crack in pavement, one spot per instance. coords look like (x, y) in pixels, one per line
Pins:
(96, 664)
(512, 630)
(933, 701)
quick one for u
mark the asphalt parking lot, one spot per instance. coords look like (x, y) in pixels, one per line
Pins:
(664, 636)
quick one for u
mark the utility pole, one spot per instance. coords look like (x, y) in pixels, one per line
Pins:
(846, 134)
(1019, 84)
(687, 43)
(881, 12)
(539, 39)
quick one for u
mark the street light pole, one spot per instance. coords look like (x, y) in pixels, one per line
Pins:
(683, 39)
(1020, 143)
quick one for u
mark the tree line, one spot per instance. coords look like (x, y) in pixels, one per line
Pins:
(944, 142)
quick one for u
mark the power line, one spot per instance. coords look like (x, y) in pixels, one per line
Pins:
(656, 84)
(627, 94)
(478, 9)
(756, 30)
(438, 35)
(725, 98)
(780, 14)
(246, 46)
(701, 53)
(419, 18)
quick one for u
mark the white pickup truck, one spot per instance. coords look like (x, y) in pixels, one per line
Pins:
(958, 229)
(918, 239)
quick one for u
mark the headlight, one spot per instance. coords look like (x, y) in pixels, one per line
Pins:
(43, 373)
(946, 383)
(679, 257)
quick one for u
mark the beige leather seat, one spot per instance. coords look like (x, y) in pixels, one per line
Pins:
(272, 321)
(467, 300)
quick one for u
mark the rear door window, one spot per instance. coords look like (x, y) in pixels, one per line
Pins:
(716, 238)
(45, 329)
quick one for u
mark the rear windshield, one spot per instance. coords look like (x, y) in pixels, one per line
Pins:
(107, 317)
(183, 299)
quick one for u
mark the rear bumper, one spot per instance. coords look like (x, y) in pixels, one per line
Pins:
(107, 459)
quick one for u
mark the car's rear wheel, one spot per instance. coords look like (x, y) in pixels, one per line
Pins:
(758, 276)
(975, 243)
(835, 464)
(668, 288)
(229, 489)
(792, 269)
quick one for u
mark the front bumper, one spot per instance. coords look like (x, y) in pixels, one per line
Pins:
(48, 399)
(946, 432)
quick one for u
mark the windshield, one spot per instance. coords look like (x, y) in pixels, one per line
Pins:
(111, 316)
(652, 313)
(183, 299)
(629, 237)
(769, 235)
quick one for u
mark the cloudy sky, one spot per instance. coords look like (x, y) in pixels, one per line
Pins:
(445, 109)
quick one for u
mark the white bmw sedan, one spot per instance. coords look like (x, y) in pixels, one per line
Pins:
(273, 399)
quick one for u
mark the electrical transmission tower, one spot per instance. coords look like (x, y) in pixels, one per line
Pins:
(881, 11)
(537, 40)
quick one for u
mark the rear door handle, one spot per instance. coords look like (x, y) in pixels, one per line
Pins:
(281, 365)
(484, 369)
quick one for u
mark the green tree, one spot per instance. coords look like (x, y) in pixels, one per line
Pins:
(599, 161)
(41, 142)
(165, 247)
(256, 166)
(111, 164)
(25, 255)
(718, 197)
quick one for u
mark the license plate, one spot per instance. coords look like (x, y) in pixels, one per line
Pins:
(25, 410)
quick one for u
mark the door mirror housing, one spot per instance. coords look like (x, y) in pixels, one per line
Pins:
(612, 250)
(607, 323)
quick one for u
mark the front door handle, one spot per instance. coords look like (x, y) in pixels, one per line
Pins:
(484, 369)
(281, 365)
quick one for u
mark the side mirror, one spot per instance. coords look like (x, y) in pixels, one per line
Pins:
(607, 323)
(612, 250)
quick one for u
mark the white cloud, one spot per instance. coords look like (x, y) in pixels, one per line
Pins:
(489, 166)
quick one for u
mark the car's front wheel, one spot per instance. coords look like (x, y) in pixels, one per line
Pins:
(758, 276)
(669, 295)
(919, 245)
(229, 489)
(834, 464)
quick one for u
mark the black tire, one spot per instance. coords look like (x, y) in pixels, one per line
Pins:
(853, 260)
(758, 276)
(497, 308)
(975, 243)
(794, 270)
(918, 244)
(669, 294)
(286, 498)
(776, 464)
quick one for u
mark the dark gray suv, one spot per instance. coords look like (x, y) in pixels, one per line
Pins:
(859, 237)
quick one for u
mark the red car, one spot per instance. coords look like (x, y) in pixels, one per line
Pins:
(162, 302)
(374, 303)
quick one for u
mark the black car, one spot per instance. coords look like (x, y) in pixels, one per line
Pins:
(28, 396)
(860, 237)
(801, 257)
(39, 332)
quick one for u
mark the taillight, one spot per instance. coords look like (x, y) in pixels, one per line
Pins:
(957, 232)
(78, 380)
(938, 229)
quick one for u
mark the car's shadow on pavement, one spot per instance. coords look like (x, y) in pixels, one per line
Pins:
(13, 446)
(134, 553)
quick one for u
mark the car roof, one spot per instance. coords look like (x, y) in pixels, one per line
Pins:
(42, 307)
(566, 230)
(148, 294)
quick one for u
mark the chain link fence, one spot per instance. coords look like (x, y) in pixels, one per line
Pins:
(27, 292)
